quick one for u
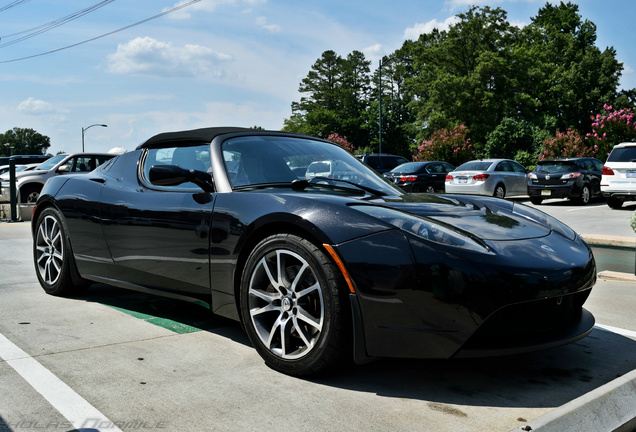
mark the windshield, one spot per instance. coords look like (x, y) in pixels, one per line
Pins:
(474, 166)
(408, 168)
(258, 160)
(49, 164)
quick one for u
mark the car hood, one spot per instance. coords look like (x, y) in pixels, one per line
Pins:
(487, 218)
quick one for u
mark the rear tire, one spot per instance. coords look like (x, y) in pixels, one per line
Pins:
(584, 196)
(536, 200)
(294, 306)
(52, 256)
(614, 203)
(500, 191)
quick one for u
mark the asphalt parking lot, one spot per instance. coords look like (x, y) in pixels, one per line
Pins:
(118, 360)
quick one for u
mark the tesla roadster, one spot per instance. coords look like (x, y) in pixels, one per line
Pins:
(319, 257)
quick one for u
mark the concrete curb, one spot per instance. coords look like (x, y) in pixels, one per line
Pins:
(616, 276)
(609, 408)
(610, 241)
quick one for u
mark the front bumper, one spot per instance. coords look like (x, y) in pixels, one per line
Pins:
(419, 300)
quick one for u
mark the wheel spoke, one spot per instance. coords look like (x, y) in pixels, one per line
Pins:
(309, 318)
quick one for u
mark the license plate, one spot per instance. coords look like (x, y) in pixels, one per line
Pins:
(462, 180)
(546, 192)
(631, 174)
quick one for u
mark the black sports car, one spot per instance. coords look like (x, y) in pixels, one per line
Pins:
(316, 268)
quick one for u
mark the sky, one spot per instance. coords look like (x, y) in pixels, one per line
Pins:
(143, 67)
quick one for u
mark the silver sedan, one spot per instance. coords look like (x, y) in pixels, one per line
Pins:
(495, 177)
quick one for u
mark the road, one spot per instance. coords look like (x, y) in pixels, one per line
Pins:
(117, 360)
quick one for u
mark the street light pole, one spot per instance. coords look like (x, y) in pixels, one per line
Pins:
(389, 60)
(88, 127)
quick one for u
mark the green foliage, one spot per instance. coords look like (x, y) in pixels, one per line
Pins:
(508, 138)
(452, 146)
(23, 142)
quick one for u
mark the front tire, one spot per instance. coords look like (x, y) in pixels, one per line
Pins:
(29, 194)
(52, 255)
(293, 305)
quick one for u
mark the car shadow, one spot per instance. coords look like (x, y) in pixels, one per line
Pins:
(548, 378)
(175, 315)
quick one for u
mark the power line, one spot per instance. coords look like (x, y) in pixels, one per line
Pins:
(53, 24)
(103, 35)
(13, 4)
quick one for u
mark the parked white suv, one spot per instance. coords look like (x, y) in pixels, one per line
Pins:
(618, 183)
(30, 183)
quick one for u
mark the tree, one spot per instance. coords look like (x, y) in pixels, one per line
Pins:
(576, 77)
(23, 141)
(335, 99)
(463, 74)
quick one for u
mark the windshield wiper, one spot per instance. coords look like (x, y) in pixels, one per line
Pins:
(301, 184)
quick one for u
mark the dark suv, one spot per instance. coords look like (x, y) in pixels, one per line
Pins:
(382, 162)
(578, 179)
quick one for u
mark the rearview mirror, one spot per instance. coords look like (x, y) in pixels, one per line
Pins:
(174, 175)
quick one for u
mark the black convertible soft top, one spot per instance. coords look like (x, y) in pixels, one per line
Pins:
(204, 135)
(194, 135)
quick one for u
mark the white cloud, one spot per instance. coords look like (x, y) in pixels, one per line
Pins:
(37, 106)
(262, 22)
(421, 28)
(148, 56)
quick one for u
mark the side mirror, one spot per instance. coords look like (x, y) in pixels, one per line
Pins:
(64, 169)
(173, 175)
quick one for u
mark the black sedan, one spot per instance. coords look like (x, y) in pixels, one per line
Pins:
(317, 269)
(578, 179)
(420, 176)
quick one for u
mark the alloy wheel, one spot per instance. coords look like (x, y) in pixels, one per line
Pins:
(286, 304)
(49, 250)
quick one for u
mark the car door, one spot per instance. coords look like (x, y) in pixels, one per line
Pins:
(159, 236)
(519, 176)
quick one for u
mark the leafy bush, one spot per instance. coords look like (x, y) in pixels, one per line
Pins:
(452, 146)
(341, 141)
(566, 145)
(609, 128)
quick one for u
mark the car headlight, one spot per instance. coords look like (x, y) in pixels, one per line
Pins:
(424, 228)
(549, 221)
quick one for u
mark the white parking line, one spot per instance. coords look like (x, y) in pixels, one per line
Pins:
(616, 330)
(72, 406)
(587, 207)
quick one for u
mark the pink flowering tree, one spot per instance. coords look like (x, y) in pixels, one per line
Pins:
(452, 146)
(341, 141)
(565, 145)
(609, 128)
